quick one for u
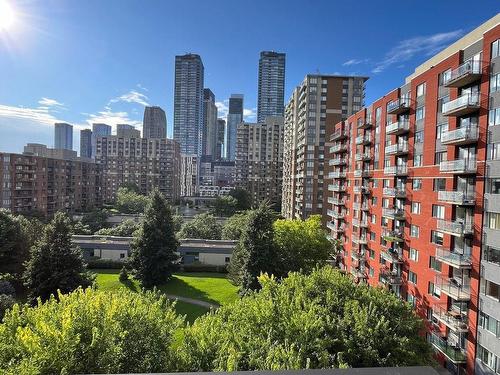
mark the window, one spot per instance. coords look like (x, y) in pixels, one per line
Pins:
(375, 183)
(384, 221)
(438, 211)
(374, 219)
(489, 323)
(495, 49)
(374, 201)
(421, 89)
(412, 277)
(419, 136)
(437, 237)
(493, 220)
(495, 83)
(227, 259)
(494, 117)
(373, 236)
(387, 183)
(439, 184)
(420, 113)
(492, 255)
(417, 160)
(444, 77)
(417, 184)
(434, 291)
(439, 157)
(493, 185)
(493, 151)
(441, 102)
(411, 299)
(415, 207)
(440, 129)
(372, 254)
(490, 289)
(434, 264)
(371, 272)
(413, 254)
(414, 231)
(488, 359)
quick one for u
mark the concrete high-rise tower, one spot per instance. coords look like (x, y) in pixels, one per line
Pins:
(155, 123)
(209, 123)
(271, 85)
(86, 143)
(234, 118)
(63, 136)
(188, 103)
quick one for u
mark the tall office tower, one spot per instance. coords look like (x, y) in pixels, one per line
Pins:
(63, 136)
(99, 130)
(86, 143)
(154, 124)
(148, 163)
(209, 146)
(188, 103)
(415, 197)
(271, 93)
(315, 106)
(221, 131)
(127, 131)
(259, 160)
(234, 118)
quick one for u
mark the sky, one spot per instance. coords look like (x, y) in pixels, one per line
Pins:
(103, 60)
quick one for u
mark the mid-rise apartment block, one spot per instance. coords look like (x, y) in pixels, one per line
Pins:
(217, 177)
(259, 160)
(414, 197)
(148, 163)
(315, 106)
(99, 130)
(189, 175)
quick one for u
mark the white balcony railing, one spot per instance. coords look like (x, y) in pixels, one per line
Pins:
(456, 197)
(396, 148)
(458, 166)
(452, 258)
(397, 127)
(396, 170)
(462, 102)
(455, 228)
(453, 287)
(467, 69)
(394, 192)
(460, 135)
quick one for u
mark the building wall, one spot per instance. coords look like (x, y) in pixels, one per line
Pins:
(189, 175)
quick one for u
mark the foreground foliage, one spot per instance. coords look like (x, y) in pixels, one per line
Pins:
(90, 332)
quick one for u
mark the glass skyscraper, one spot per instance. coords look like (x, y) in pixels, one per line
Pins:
(154, 123)
(234, 118)
(63, 136)
(271, 85)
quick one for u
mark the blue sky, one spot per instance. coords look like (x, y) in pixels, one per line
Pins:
(103, 60)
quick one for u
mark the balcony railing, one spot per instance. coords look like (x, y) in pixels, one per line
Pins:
(460, 136)
(362, 156)
(337, 174)
(390, 277)
(363, 139)
(465, 74)
(397, 170)
(337, 161)
(360, 240)
(398, 106)
(457, 197)
(361, 189)
(336, 201)
(358, 273)
(397, 149)
(453, 288)
(458, 166)
(360, 206)
(391, 255)
(338, 148)
(335, 214)
(365, 124)
(394, 192)
(453, 259)
(398, 127)
(454, 354)
(339, 134)
(358, 255)
(336, 187)
(393, 235)
(463, 105)
(394, 213)
(363, 173)
(360, 223)
(455, 228)
(453, 319)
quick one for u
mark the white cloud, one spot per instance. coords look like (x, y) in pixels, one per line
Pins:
(222, 108)
(249, 114)
(406, 49)
(355, 62)
(108, 116)
(39, 115)
(46, 102)
(142, 87)
(132, 97)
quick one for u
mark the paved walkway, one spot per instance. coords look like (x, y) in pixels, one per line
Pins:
(193, 301)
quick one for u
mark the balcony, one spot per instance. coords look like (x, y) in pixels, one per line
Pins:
(393, 235)
(358, 273)
(392, 255)
(453, 353)
(339, 134)
(361, 189)
(337, 229)
(330, 225)
(397, 149)
(398, 127)
(360, 223)
(337, 174)
(358, 255)
(398, 106)
(460, 166)
(394, 213)
(390, 277)
(335, 214)
(396, 170)
(457, 197)
(461, 106)
(360, 240)
(337, 161)
(364, 124)
(453, 288)
(460, 136)
(363, 173)
(360, 206)
(453, 319)
(455, 228)
(336, 201)
(336, 187)
(453, 259)
(363, 139)
(338, 148)
(394, 192)
(464, 75)
(363, 157)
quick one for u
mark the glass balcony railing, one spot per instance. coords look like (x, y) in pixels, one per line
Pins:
(363, 139)
(363, 173)
(453, 288)
(337, 161)
(453, 259)
(460, 136)
(361, 189)
(336, 214)
(396, 170)
(360, 206)
(458, 166)
(453, 353)
(360, 223)
(358, 272)
(397, 148)
(453, 319)
(398, 106)
(337, 174)
(398, 127)
(392, 255)
(455, 228)
(339, 134)
(457, 197)
(465, 74)
(463, 105)
(360, 240)
(388, 276)
(394, 192)
(336, 187)
(338, 148)
(362, 156)
(336, 201)
(394, 213)
(358, 255)
(393, 235)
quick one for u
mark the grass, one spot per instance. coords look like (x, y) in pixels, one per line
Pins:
(204, 286)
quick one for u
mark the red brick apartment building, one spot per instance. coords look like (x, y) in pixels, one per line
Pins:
(415, 197)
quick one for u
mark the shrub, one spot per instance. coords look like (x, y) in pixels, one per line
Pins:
(123, 274)
(6, 302)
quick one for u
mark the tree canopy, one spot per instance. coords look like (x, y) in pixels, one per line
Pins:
(125, 229)
(95, 220)
(204, 226)
(14, 243)
(243, 198)
(225, 205)
(234, 226)
(129, 201)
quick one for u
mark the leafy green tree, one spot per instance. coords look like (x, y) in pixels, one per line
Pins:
(153, 256)
(234, 226)
(302, 244)
(321, 320)
(14, 243)
(178, 221)
(204, 226)
(225, 205)
(243, 197)
(6, 302)
(95, 220)
(80, 228)
(130, 202)
(55, 262)
(90, 331)
(256, 252)
(125, 229)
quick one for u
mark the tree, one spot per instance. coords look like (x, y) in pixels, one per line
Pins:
(91, 331)
(80, 228)
(225, 205)
(256, 252)
(55, 262)
(178, 221)
(125, 229)
(302, 244)
(14, 243)
(243, 197)
(234, 226)
(321, 320)
(130, 202)
(95, 220)
(153, 256)
(204, 226)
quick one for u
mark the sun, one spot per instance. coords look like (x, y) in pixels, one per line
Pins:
(7, 16)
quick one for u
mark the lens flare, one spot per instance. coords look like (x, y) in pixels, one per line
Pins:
(7, 16)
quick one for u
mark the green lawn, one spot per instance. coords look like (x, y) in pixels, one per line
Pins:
(204, 286)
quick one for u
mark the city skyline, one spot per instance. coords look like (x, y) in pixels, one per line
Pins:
(107, 92)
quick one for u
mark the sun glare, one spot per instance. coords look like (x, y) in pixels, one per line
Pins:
(7, 16)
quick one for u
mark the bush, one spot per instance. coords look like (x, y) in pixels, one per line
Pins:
(200, 267)
(123, 274)
(7, 288)
(6, 302)
(90, 331)
(103, 264)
